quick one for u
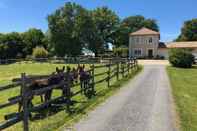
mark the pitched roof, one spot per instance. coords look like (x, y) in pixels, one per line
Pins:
(191, 44)
(162, 45)
(145, 31)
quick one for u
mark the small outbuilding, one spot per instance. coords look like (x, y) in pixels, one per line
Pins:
(185, 45)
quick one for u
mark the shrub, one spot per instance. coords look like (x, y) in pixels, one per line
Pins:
(181, 58)
(121, 51)
(40, 52)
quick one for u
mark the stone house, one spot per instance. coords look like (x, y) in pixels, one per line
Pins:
(145, 43)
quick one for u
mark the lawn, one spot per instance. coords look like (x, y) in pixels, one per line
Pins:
(184, 85)
(60, 119)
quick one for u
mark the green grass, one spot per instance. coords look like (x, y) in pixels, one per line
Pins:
(184, 85)
(61, 119)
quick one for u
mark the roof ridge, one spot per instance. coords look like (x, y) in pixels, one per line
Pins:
(145, 31)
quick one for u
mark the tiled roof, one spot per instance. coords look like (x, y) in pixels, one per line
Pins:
(145, 31)
(191, 44)
(162, 45)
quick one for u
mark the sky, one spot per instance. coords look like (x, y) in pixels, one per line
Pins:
(20, 15)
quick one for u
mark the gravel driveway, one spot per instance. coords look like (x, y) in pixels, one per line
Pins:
(144, 104)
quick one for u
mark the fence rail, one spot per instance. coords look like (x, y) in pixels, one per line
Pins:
(71, 60)
(113, 69)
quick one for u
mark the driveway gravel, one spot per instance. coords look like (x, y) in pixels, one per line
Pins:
(144, 104)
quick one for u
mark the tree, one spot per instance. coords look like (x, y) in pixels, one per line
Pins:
(132, 24)
(69, 27)
(11, 45)
(188, 31)
(106, 23)
(40, 52)
(33, 38)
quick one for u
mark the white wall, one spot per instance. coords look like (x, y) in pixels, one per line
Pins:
(163, 52)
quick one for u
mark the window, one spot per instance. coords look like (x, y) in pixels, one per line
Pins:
(137, 52)
(137, 40)
(150, 40)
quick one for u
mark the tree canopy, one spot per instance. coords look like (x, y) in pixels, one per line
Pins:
(69, 27)
(106, 23)
(33, 38)
(188, 31)
(11, 45)
(132, 24)
(17, 45)
(72, 28)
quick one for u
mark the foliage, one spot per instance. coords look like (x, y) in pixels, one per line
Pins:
(40, 52)
(181, 58)
(188, 31)
(132, 24)
(11, 45)
(106, 23)
(17, 45)
(32, 38)
(121, 51)
(69, 27)
(72, 28)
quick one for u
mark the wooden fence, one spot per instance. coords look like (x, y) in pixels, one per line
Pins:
(116, 69)
(70, 60)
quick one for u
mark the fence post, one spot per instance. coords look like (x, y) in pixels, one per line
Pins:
(93, 84)
(117, 72)
(25, 94)
(128, 66)
(67, 92)
(109, 72)
(135, 63)
(122, 66)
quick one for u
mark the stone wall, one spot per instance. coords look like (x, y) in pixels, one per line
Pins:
(143, 43)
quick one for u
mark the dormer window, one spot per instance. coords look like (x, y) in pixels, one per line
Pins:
(150, 40)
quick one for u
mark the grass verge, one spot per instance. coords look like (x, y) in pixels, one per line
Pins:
(184, 87)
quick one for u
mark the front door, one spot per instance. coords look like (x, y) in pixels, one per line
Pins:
(150, 53)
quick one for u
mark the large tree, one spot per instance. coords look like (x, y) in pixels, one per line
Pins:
(33, 38)
(11, 45)
(188, 31)
(132, 24)
(106, 23)
(69, 27)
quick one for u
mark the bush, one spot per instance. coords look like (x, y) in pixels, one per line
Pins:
(121, 51)
(40, 52)
(181, 58)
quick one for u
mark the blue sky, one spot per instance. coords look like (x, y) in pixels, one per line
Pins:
(19, 15)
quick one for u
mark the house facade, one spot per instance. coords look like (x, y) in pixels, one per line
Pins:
(145, 43)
